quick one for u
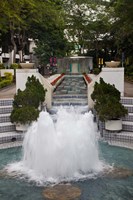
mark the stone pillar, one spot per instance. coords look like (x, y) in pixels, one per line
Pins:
(114, 76)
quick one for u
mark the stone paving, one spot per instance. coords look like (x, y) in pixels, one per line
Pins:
(71, 85)
(71, 91)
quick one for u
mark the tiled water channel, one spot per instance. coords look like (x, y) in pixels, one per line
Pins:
(71, 91)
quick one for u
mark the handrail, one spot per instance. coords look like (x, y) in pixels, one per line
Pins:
(87, 78)
(58, 78)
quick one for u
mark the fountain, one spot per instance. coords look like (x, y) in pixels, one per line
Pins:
(62, 151)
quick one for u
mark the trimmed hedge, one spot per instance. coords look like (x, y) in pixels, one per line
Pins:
(7, 80)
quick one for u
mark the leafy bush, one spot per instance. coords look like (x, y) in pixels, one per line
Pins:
(2, 66)
(4, 83)
(129, 70)
(26, 103)
(33, 84)
(24, 114)
(107, 101)
(15, 66)
(96, 70)
(8, 76)
(7, 80)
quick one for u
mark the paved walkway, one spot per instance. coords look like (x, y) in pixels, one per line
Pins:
(10, 91)
(128, 89)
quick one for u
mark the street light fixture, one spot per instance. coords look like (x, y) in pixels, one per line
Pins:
(0, 51)
(0, 55)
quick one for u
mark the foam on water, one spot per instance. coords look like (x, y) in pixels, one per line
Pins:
(60, 151)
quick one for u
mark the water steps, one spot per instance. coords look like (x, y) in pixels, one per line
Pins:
(71, 92)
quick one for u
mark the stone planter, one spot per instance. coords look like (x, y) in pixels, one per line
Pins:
(112, 64)
(113, 125)
(27, 65)
(22, 127)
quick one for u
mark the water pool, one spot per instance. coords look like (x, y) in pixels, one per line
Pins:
(100, 188)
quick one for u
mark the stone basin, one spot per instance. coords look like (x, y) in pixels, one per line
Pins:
(112, 64)
(27, 65)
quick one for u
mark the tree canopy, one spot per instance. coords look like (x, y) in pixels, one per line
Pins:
(61, 27)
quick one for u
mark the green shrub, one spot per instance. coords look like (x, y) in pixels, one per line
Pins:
(36, 87)
(129, 70)
(4, 83)
(7, 80)
(14, 66)
(8, 76)
(26, 103)
(25, 115)
(107, 101)
(2, 66)
(96, 70)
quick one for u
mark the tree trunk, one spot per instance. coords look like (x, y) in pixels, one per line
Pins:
(14, 45)
(21, 56)
(22, 43)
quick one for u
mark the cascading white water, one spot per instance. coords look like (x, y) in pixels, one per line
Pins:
(63, 150)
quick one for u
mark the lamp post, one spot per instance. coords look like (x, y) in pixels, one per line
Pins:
(123, 58)
(1, 61)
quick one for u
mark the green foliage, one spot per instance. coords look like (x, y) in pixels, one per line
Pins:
(96, 71)
(129, 73)
(129, 70)
(14, 66)
(23, 19)
(4, 83)
(2, 66)
(34, 85)
(107, 101)
(121, 30)
(26, 103)
(24, 115)
(102, 88)
(52, 42)
(7, 80)
(8, 76)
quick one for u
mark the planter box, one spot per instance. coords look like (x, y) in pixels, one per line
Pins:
(22, 127)
(27, 65)
(113, 125)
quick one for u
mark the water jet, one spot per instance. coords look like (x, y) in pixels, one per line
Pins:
(66, 150)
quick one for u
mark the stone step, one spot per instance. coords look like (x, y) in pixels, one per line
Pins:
(11, 144)
(81, 109)
(7, 127)
(78, 96)
(125, 136)
(5, 109)
(70, 100)
(128, 117)
(122, 139)
(81, 103)
(121, 144)
(69, 93)
(6, 102)
(11, 137)
(5, 117)
(129, 107)
(127, 100)
(73, 75)
(127, 126)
